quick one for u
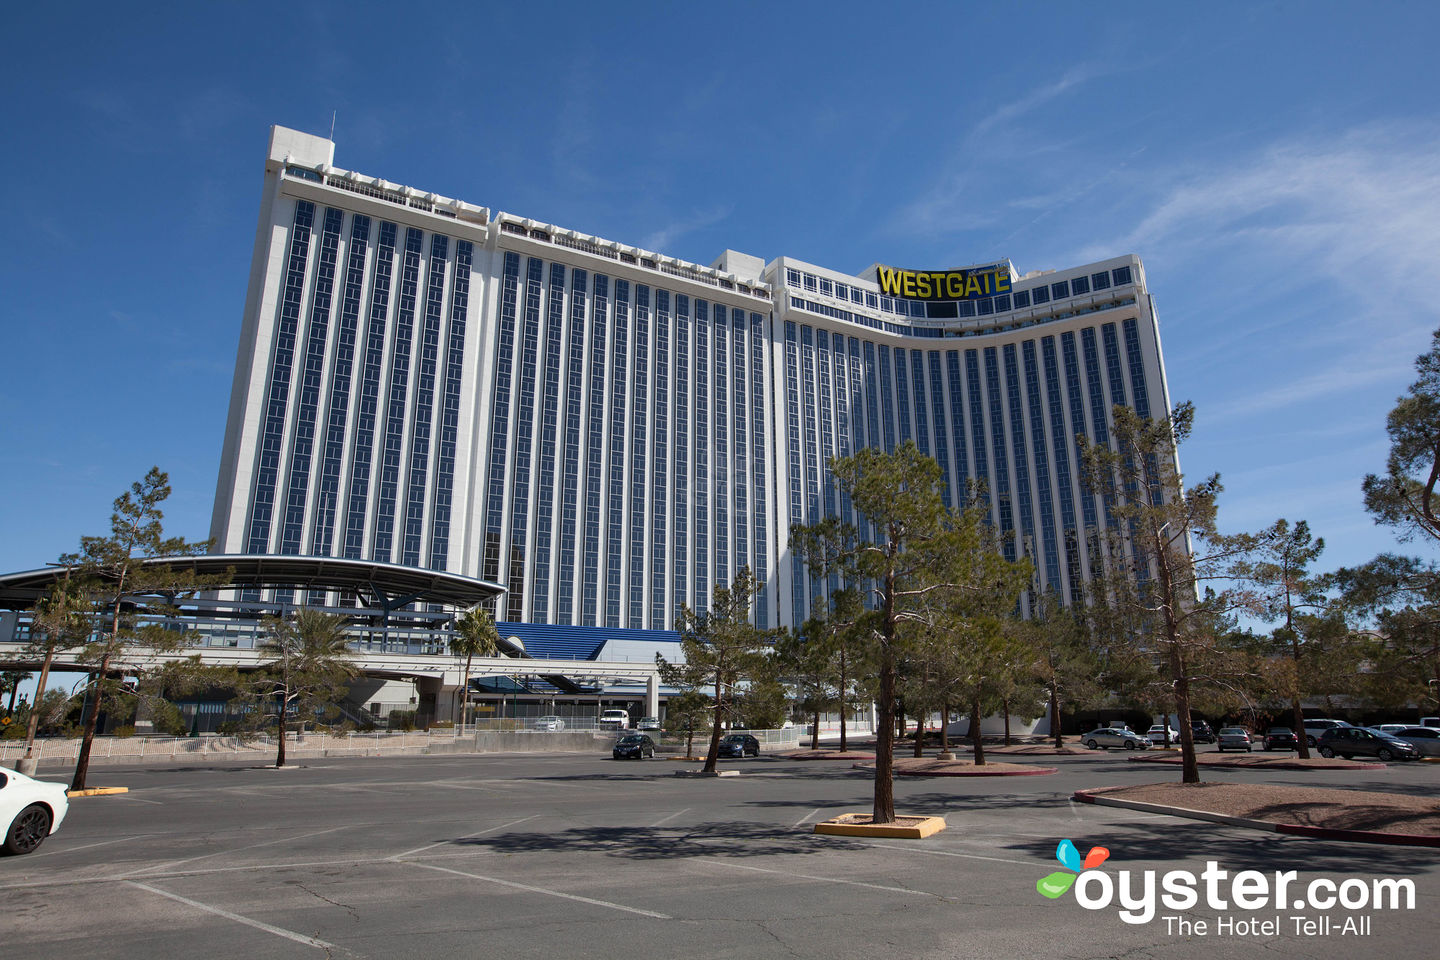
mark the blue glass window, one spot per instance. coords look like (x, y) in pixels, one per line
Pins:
(799, 603)
(1060, 290)
(1061, 445)
(570, 482)
(388, 492)
(826, 287)
(957, 427)
(1121, 276)
(740, 451)
(722, 450)
(810, 282)
(887, 399)
(639, 418)
(680, 575)
(937, 408)
(1100, 281)
(341, 370)
(760, 529)
(917, 383)
(369, 394)
(417, 481)
(902, 394)
(450, 406)
(872, 301)
(549, 428)
(1022, 299)
(1042, 466)
(1040, 295)
(619, 377)
(282, 359)
(1080, 285)
(1137, 367)
(986, 306)
(1077, 416)
(594, 458)
(1002, 303)
(500, 418)
(1001, 456)
(659, 462)
(307, 404)
(977, 430)
(810, 406)
(702, 455)
(792, 277)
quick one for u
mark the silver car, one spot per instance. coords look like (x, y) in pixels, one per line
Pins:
(1424, 739)
(548, 723)
(1234, 738)
(1103, 738)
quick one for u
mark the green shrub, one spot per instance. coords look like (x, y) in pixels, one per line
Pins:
(124, 732)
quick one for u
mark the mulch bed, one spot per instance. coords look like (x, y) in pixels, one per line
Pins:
(932, 767)
(826, 755)
(1040, 749)
(1264, 763)
(1324, 808)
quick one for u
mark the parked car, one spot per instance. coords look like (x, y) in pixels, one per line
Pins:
(1317, 726)
(548, 723)
(30, 810)
(636, 745)
(1351, 742)
(1391, 728)
(1201, 732)
(614, 720)
(1157, 733)
(1103, 738)
(648, 723)
(1430, 722)
(739, 745)
(1424, 739)
(1234, 738)
(1281, 738)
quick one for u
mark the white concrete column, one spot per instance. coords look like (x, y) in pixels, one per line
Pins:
(652, 695)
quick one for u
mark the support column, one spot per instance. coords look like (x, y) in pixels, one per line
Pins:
(652, 695)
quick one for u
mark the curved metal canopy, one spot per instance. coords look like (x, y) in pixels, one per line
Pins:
(19, 591)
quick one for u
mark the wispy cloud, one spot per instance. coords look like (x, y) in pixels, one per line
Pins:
(662, 239)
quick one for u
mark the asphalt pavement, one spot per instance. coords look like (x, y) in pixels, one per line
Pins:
(570, 855)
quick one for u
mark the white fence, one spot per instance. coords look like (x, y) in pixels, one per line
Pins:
(137, 749)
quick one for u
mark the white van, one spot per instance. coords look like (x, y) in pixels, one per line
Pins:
(614, 720)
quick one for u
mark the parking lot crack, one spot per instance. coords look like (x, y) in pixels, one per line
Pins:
(354, 914)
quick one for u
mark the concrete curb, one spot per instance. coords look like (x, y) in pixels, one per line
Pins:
(702, 773)
(918, 829)
(96, 791)
(1266, 765)
(1269, 826)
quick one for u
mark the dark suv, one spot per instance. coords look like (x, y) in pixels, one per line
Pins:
(1351, 742)
(1200, 732)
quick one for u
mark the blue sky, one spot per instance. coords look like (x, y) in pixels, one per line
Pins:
(1277, 166)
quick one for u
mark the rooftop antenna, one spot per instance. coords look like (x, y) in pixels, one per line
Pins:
(332, 124)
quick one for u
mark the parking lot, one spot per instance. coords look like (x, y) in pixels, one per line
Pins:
(575, 855)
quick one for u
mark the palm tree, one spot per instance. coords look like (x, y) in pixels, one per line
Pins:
(309, 664)
(11, 680)
(475, 636)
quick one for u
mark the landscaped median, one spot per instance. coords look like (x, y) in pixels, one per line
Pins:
(1264, 763)
(935, 767)
(1323, 813)
(96, 792)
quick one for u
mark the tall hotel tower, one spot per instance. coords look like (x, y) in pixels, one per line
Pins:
(609, 432)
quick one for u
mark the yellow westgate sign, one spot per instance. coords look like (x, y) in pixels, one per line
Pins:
(944, 284)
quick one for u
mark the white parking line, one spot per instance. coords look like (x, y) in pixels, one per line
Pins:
(948, 853)
(664, 820)
(472, 836)
(806, 817)
(548, 893)
(278, 931)
(254, 846)
(808, 876)
(99, 843)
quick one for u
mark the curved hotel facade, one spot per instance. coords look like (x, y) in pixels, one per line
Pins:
(609, 432)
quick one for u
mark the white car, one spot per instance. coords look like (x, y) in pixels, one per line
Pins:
(30, 810)
(1157, 734)
(548, 723)
(615, 720)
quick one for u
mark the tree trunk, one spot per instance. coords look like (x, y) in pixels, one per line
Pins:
(975, 732)
(919, 737)
(945, 728)
(1055, 714)
(34, 723)
(1005, 706)
(714, 753)
(843, 679)
(815, 732)
(280, 750)
(82, 764)
(14, 692)
(1298, 720)
(1191, 769)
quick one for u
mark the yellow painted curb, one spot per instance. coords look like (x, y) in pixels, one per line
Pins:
(907, 828)
(96, 791)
